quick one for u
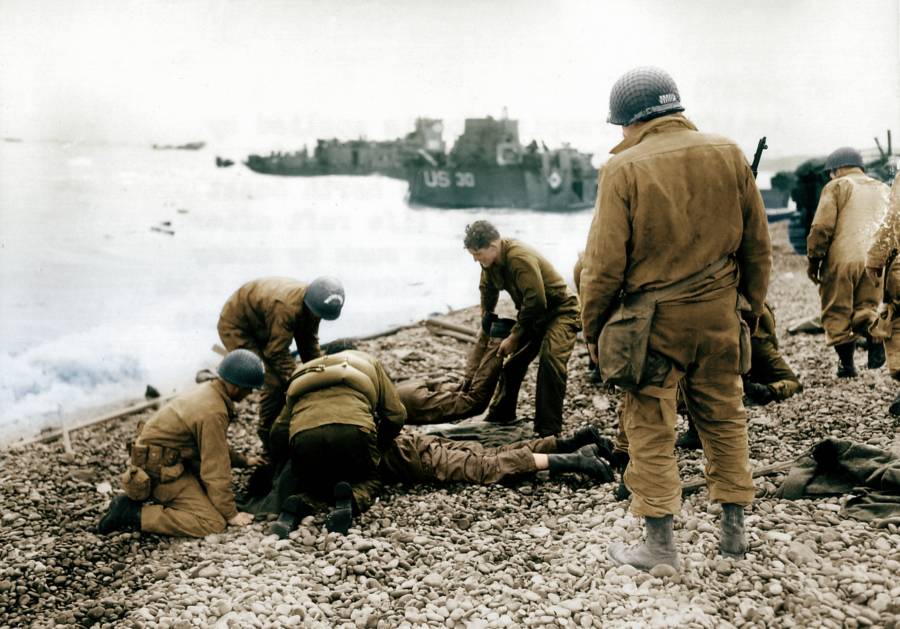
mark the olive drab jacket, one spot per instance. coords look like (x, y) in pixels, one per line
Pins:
(886, 245)
(538, 291)
(671, 202)
(849, 210)
(270, 311)
(196, 423)
(377, 410)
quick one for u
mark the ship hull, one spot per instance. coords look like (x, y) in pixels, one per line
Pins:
(500, 187)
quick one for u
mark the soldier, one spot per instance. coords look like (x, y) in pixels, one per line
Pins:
(265, 316)
(546, 324)
(678, 232)
(182, 461)
(350, 461)
(770, 378)
(850, 208)
(882, 260)
(431, 403)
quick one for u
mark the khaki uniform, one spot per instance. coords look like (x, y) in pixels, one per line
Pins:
(265, 316)
(200, 500)
(882, 254)
(673, 202)
(427, 403)
(767, 366)
(850, 209)
(546, 325)
(350, 431)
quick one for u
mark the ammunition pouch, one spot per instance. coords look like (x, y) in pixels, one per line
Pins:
(160, 463)
(345, 368)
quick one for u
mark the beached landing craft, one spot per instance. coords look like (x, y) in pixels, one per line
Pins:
(489, 167)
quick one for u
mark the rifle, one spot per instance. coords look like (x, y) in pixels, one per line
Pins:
(760, 147)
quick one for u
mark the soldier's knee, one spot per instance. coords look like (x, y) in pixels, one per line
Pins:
(211, 524)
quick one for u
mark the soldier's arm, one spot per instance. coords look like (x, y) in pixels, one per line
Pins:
(489, 293)
(605, 255)
(308, 339)
(755, 252)
(215, 464)
(821, 232)
(278, 348)
(390, 412)
(533, 311)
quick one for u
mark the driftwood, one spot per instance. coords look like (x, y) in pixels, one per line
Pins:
(692, 486)
(454, 335)
(446, 325)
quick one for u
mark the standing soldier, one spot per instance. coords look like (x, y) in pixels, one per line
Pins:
(546, 324)
(265, 316)
(679, 233)
(182, 461)
(883, 256)
(850, 208)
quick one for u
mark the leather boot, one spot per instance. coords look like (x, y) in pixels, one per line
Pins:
(894, 408)
(293, 510)
(124, 514)
(689, 439)
(846, 368)
(340, 518)
(585, 461)
(733, 538)
(658, 548)
(875, 350)
(589, 435)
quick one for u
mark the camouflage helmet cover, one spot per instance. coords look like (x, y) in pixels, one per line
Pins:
(641, 94)
(844, 156)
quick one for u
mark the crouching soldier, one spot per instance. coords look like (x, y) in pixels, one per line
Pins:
(431, 403)
(342, 425)
(182, 461)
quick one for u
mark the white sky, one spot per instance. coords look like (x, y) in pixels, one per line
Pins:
(810, 74)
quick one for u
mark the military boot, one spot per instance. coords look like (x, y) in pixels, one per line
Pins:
(689, 439)
(586, 461)
(733, 538)
(340, 518)
(293, 510)
(658, 548)
(124, 514)
(846, 368)
(894, 408)
(875, 351)
(589, 435)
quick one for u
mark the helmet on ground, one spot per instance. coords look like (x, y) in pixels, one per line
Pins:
(242, 368)
(844, 156)
(641, 94)
(325, 297)
(501, 328)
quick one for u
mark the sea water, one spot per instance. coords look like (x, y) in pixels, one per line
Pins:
(115, 262)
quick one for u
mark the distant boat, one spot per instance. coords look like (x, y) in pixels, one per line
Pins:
(489, 168)
(190, 146)
(223, 163)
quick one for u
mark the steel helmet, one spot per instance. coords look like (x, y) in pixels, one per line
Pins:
(844, 156)
(242, 368)
(325, 297)
(641, 94)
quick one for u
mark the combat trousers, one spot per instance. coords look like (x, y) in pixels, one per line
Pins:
(554, 349)
(699, 341)
(183, 510)
(888, 329)
(418, 458)
(427, 404)
(849, 301)
(273, 394)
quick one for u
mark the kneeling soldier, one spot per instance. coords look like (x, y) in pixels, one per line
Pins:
(182, 461)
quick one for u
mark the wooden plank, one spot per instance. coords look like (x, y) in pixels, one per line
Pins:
(691, 486)
(452, 326)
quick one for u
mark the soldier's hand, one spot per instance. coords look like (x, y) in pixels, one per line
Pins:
(508, 346)
(487, 320)
(256, 461)
(812, 271)
(874, 273)
(241, 519)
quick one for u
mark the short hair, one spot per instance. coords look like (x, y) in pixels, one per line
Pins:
(479, 235)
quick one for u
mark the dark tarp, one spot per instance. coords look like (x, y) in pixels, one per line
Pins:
(836, 467)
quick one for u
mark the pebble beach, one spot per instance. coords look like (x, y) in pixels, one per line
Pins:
(530, 554)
